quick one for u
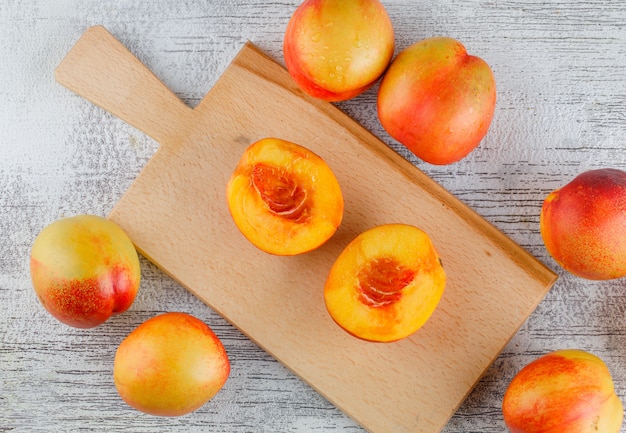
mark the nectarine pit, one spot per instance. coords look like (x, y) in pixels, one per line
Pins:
(381, 281)
(280, 191)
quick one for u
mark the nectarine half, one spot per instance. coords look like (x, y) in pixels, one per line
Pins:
(284, 198)
(386, 283)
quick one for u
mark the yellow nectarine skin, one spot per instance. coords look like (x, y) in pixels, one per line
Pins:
(284, 198)
(437, 100)
(386, 283)
(337, 49)
(583, 224)
(170, 365)
(566, 391)
(84, 269)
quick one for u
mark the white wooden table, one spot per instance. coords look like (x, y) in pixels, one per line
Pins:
(561, 73)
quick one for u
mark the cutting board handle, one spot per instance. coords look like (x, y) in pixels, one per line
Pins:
(101, 69)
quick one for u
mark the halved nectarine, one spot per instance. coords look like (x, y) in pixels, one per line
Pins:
(386, 283)
(284, 198)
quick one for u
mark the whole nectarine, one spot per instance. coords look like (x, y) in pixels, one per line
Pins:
(336, 49)
(566, 391)
(170, 365)
(583, 224)
(386, 283)
(84, 269)
(437, 100)
(284, 198)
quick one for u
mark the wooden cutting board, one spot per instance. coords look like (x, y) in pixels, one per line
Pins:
(176, 214)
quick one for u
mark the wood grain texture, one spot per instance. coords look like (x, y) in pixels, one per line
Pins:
(561, 109)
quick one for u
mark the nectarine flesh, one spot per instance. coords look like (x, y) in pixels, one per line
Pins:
(386, 283)
(284, 198)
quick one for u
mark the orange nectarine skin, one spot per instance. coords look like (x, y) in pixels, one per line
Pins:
(84, 269)
(337, 49)
(583, 224)
(385, 284)
(170, 365)
(567, 391)
(437, 100)
(284, 198)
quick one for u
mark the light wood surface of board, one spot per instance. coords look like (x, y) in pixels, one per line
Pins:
(176, 214)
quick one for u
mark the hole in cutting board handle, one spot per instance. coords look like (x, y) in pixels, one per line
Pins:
(103, 71)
